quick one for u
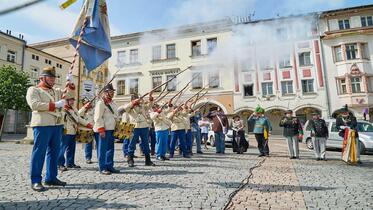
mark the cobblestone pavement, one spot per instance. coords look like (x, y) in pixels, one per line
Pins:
(203, 182)
(281, 183)
(196, 183)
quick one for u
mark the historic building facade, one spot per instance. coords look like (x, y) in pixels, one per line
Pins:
(347, 40)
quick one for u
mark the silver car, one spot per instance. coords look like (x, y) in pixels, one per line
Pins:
(364, 128)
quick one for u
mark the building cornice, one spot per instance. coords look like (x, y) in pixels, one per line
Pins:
(48, 54)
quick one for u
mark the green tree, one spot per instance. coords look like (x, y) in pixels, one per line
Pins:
(13, 89)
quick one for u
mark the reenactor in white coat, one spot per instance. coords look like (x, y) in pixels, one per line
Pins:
(105, 118)
(87, 112)
(71, 121)
(45, 102)
(136, 109)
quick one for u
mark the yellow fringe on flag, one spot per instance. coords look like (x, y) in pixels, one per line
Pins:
(265, 133)
(67, 4)
(349, 150)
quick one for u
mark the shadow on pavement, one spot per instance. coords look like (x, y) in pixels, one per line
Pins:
(75, 203)
(123, 186)
(271, 188)
(163, 172)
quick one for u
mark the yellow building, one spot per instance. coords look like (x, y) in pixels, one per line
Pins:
(90, 82)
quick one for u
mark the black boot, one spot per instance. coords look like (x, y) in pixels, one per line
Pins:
(130, 161)
(148, 162)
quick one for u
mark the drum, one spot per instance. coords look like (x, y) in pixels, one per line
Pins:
(84, 135)
(123, 130)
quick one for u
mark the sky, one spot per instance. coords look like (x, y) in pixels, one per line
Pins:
(46, 21)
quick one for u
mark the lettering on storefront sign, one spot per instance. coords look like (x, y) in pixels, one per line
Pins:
(88, 89)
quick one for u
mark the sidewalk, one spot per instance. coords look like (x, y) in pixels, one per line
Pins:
(12, 137)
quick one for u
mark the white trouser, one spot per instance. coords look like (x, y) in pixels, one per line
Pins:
(319, 146)
(293, 145)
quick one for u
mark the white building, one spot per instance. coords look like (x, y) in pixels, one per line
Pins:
(239, 75)
(347, 42)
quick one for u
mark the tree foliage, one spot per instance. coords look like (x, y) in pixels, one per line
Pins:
(13, 89)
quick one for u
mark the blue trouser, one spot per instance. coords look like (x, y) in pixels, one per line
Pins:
(105, 150)
(152, 139)
(47, 140)
(189, 141)
(161, 145)
(88, 150)
(169, 142)
(178, 135)
(220, 142)
(126, 143)
(68, 145)
(197, 137)
(142, 133)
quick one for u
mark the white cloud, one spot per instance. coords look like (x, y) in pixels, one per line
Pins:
(51, 18)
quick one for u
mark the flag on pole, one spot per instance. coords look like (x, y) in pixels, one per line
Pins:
(95, 46)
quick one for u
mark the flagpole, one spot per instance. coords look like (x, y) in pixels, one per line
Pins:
(79, 65)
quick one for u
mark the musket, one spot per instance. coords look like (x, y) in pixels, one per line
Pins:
(143, 96)
(181, 91)
(102, 89)
(199, 97)
(159, 98)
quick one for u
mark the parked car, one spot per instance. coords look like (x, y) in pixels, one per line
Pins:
(364, 128)
(228, 138)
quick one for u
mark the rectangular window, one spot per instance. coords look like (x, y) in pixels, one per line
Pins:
(267, 88)
(156, 81)
(134, 86)
(211, 45)
(58, 79)
(196, 48)
(34, 74)
(356, 84)
(366, 21)
(157, 50)
(265, 64)
(284, 61)
(364, 50)
(47, 61)
(307, 86)
(214, 80)
(121, 86)
(197, 82)
(134, 56)
(248, 90)
(338, 53)
(247, 65)
(343, 86)
(287, 87)
(171, 51)
(351, 51)
(121, 57)
(171, 86)
(304, 59)
(344, 24)
(11, 56)
(35, 57)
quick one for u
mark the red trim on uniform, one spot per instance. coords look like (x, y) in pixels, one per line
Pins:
(90, 126)
(52, 107)
(101, 130)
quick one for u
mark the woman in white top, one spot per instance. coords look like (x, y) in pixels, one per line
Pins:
(204, 124)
